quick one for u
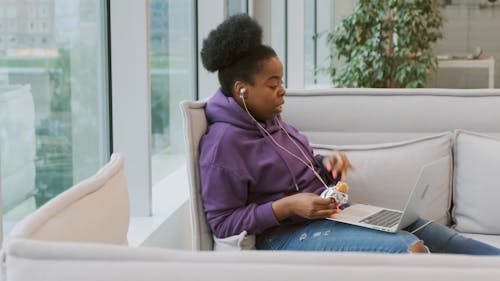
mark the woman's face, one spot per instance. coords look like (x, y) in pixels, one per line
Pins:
(265, 98)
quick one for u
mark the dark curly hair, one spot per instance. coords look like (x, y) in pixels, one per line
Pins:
(235, 50)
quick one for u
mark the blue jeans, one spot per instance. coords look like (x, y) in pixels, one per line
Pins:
(326, 235)
(441, 239)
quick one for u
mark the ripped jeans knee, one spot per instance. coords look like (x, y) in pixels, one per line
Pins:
(325, 235)
(419, 247)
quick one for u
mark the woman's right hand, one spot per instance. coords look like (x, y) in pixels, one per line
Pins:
(306, 205)
(338, 164)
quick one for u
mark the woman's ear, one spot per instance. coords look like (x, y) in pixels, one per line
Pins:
(240, 89)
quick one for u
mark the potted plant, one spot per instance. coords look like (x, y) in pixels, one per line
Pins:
(385, 43)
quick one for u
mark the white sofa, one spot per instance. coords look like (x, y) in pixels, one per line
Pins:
(388, 134)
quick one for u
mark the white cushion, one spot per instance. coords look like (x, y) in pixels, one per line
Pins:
(476, 185)
(384, 174)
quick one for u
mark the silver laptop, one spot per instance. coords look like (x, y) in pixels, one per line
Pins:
(390, 220)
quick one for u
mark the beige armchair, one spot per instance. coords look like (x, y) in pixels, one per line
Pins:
(96, 210)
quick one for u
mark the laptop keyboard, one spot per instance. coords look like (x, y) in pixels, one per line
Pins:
(384, 218)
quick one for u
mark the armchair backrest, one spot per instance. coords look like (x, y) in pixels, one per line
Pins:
(195, 126)
(96, 210)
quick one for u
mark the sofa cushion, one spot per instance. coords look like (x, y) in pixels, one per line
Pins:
(476, 184)
(384, 174)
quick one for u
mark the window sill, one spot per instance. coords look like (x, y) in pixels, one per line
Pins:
(169, 223)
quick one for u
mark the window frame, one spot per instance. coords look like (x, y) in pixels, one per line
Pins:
(131, 104)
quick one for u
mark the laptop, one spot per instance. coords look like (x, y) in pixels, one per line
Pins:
(390, 220)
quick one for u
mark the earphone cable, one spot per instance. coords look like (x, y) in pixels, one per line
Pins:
(310, 165)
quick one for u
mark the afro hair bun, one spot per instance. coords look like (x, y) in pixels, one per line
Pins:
(227, 43)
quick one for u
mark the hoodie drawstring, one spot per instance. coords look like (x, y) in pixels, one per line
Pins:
(281, 157)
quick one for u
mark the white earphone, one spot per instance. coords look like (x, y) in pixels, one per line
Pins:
(242, 91)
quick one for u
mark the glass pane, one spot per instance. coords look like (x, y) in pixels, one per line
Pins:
(278, 31)
(54, 130)
(309, 44)
(236, 7)
(469, 26)
(173, 79)
(321, 18)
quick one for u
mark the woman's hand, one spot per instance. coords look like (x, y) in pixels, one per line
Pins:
(306, 205)
(338, 164)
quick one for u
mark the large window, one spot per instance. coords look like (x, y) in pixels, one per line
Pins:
(173, 79)
(54, 128)
(320, 17)
(468, 25)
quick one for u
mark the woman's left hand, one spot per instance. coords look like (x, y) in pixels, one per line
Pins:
(337, 164)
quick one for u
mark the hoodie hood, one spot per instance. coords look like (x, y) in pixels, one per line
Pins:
(226, 110)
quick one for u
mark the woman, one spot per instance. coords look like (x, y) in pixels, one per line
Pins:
(259, 174)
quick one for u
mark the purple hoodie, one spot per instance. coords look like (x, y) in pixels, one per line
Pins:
(242, 171)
